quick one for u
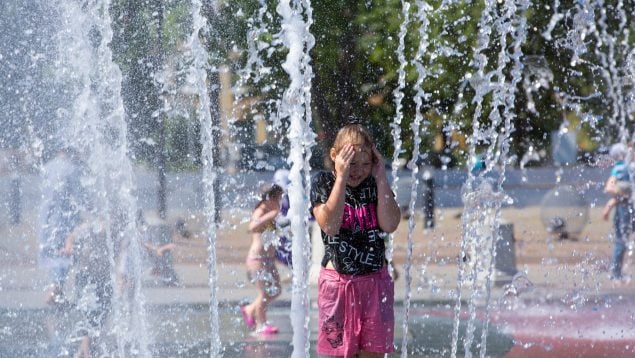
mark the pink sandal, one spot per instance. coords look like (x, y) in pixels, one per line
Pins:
(250, 322)
(267, 329)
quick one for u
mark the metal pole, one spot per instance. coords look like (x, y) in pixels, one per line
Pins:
(15, 199)
(428, 199)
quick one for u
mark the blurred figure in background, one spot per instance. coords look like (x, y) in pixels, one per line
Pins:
(158, 241)
(62, 200)
(618, 186)
(88, 245)
(283, 249)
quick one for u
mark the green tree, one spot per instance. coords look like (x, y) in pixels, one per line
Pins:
(566, 89)
(355, 68)
(145, 35)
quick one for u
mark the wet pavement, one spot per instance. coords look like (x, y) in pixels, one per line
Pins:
(594, 329)
(570, 307)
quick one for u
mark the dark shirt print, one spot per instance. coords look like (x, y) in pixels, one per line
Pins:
(359, 246)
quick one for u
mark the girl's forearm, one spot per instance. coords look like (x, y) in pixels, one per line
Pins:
(260, 222)
(388, 212)
(329, 215)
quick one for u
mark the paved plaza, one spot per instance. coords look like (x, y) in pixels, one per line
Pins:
(567, 303)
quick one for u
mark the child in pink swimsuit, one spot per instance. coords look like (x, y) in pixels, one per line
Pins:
(261, 267)
(355, 208)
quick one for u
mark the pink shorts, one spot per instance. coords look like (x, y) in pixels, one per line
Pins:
(355, 313)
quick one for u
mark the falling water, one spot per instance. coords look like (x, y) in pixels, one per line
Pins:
(611, 49)
(482, 203)
(481, 88)
(98, 129)
(399, 93)
(515, 26)
(250, 75)
(423, 8)
(608, 61)
(295, 105)
(258, 78)
(555, 18)
(251, 71)
(254, 67)
(396, 123)
(200, 68)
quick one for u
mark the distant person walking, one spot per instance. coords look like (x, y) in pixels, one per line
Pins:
(260, 261)
(618, 186)
(62, 200)
(355, 208)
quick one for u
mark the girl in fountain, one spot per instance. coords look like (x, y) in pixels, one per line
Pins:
(261, 267)
(355, 208)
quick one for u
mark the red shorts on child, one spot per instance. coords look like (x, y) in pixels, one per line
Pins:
(355, 313)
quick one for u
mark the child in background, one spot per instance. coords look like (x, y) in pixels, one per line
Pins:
(618, 186)
(62, 198)
(355, 208)
(88, 242)
(158, 241)
(261, 267)
(283, 249)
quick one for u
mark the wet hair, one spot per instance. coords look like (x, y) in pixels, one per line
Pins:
(355, 134)
(274, 191)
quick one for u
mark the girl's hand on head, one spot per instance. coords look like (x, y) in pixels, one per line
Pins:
(343, 161)
(379, 169)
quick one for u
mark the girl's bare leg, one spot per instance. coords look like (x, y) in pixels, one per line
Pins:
(268, 289)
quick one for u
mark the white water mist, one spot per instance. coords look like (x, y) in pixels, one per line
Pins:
(199, 69)
(98, 130)
(423, 9)
(481, 87)
(295, 106)
(395, 126)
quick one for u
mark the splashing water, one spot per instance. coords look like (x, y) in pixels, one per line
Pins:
(396, 123)
(423, 8)
(296, 105)
(200, 70)
(481, 88)
(98, 130)
(480, 220)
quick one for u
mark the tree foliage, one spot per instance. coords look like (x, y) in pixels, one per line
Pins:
(576, 68)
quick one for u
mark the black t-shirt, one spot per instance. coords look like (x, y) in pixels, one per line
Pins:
(359, 246)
